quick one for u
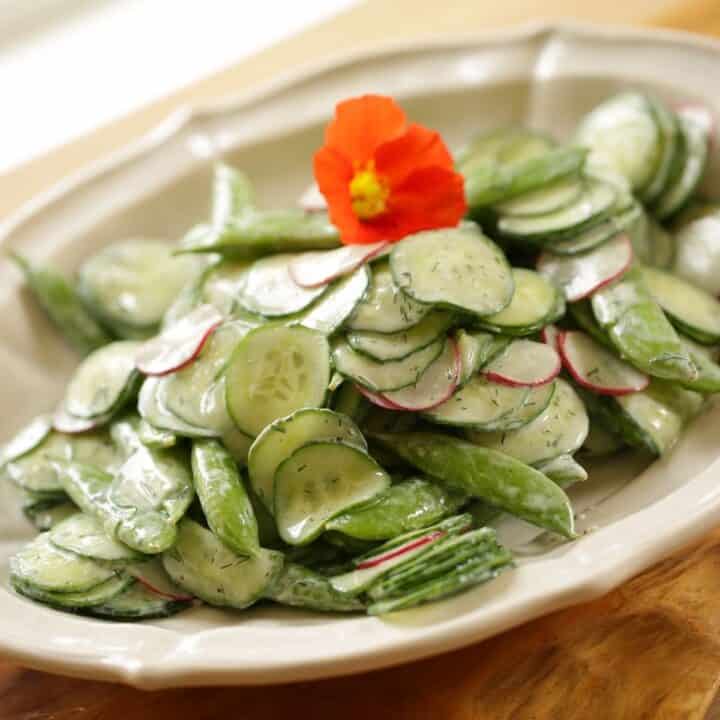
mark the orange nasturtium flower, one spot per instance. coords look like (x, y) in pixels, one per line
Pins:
(384, 178)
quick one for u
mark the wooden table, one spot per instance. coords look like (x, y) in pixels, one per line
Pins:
(650, 649)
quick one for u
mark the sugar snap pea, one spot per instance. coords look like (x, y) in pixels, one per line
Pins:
(63, 306)
(490, 475)
(408, 505)
(223, 497)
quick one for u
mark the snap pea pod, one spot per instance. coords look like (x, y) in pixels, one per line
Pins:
(488, 474)
(232, 194)
(639, 330)
(708, 377)
(474, 571)
(490, 183)
(260, 232)
(408, 505)
(299, 586)
(223, 497)
(442, 557)
(141, 505)
(62, 304)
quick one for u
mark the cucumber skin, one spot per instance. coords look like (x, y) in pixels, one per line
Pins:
(493, 476)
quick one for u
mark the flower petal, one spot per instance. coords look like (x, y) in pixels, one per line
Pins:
(417, 148)
(431, 197)
(362, 124)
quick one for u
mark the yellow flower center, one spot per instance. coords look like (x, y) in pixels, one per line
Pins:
(368, 193)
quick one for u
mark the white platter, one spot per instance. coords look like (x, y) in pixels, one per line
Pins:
(545, 76)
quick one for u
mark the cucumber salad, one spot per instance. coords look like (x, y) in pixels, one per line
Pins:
(262, 414)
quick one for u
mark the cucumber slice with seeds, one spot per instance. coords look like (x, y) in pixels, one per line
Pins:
(385, 309)
(381, 376)
(274, 371)
(397, 346)
(104, 381)
(459, 269)
(281, 438)
(319, 481)
(270, 290)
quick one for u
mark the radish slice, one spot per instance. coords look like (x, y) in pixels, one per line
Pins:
(434, 386)
(180, 344)
(525, 363)
(313, 269)
(376, 398)
(596, 368)
(398, 551)
(581, 275)
(312, 200)
(152, 575)
(550, 335)
(66, 423)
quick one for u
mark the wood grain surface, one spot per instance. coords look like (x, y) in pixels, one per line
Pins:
(649, 650)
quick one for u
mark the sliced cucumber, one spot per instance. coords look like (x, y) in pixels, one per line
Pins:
(270, 290)
(597, 200)
(222, 285)
(670, 141)
(153, 408)
(695, 135)
(73, 601)
(319, 481)
(488, 406)
(698, 253)
(27, 439)
(476, 350)
(279, 440)
(104, 381)
(131, 284)
(708, 379)
(560, 429)
(693, 311)
(84, 535)
(202, 565)
(155, 437)
(137, 603)
(563, 470)
(623, 132)
(458, 268)
(274, 371)
(383, 376)
(46, 514)
(385, 309)
(342, 299)
(536, 302)
(196, 394)
(545, 200)
(348, 400)
(598, 233)
(397, 346)
(34, 471)
(47, 567)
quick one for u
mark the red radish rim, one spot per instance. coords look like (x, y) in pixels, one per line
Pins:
(395, 552)
(597, 389)
(550, 335)
(68, 424)
(376, 398)
(631, 255)
(148, 367)
(379, 247)
(451, 388)
(161, 593)
(501, 379)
